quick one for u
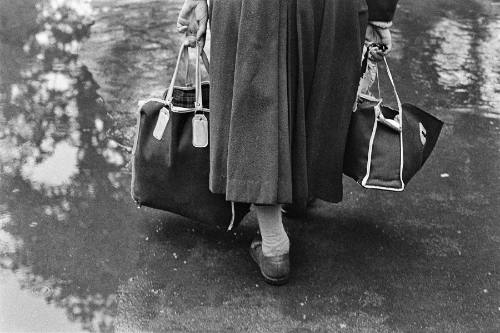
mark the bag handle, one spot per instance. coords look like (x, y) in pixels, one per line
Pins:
(198, 102)
(199, 94)
(184, 50)
(389, 74)
(185, 55)
(396, 124)
(203, 57)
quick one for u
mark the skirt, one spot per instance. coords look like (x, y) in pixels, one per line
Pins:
(284, 77)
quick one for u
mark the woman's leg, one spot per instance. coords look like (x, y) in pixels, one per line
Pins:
(271, 254)
(275, 241)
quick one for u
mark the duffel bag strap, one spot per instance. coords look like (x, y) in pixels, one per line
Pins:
(397, 123)
(204, 58)
(200, 121)
(400, 106)
(198, 103)
(394, 124)
(184, 51)
(170, 91)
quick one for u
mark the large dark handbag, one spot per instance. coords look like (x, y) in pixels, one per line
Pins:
(171, 157)
(386, 147)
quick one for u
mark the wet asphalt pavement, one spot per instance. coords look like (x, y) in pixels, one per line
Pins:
(76, 254)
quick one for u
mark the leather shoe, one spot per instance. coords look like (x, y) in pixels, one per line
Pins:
(274, 269)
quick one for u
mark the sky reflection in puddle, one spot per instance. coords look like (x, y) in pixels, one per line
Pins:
(56, 170)
(29, 312)
(453, 40)
(468, 59)
(63, 186)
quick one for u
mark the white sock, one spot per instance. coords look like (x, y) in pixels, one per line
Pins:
(274, 238)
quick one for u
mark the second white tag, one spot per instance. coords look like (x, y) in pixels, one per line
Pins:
(200, 131)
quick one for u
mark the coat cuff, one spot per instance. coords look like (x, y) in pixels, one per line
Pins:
(381, 25)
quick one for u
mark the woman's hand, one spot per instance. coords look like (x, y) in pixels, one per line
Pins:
(376, 33)
(193, 19)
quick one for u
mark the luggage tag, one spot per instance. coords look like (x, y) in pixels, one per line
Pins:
(200, 131)
(161, 124)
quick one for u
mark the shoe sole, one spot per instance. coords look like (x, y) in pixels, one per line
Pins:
(268, 279)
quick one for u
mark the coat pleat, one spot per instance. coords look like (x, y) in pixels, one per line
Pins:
(250, 144)
(284, 76)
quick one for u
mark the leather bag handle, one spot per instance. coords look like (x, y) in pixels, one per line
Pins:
(389, 74)
(395, 124)
(198, 103)
(184, 52)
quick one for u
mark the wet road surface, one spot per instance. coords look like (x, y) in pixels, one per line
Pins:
(76, 255)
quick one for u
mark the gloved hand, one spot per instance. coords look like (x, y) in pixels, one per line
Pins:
(193, 20)
(381, 35)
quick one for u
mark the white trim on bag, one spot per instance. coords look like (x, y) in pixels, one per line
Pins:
(400, 109)
(370, 149)
(369, 162)
(176, 109)
(393, 189)
(233, 217)
(372, 139)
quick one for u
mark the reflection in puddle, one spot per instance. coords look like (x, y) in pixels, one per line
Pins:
(29, 312)
(467, 61)
(8, 243)
(65, 219)
(454, 41)
(489, 53)
(56, 170)
(78, 7)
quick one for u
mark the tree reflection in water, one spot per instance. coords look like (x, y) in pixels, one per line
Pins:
(63, 190)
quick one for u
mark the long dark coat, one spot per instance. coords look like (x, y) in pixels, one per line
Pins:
(284, 75)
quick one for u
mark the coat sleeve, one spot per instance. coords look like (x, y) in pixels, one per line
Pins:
(381, 10)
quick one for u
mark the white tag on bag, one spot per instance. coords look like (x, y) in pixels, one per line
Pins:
(161, 124)
(200, 131)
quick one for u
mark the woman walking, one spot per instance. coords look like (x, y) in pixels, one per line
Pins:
(284, 77)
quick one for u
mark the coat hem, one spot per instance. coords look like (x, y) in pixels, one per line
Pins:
(250, 191)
